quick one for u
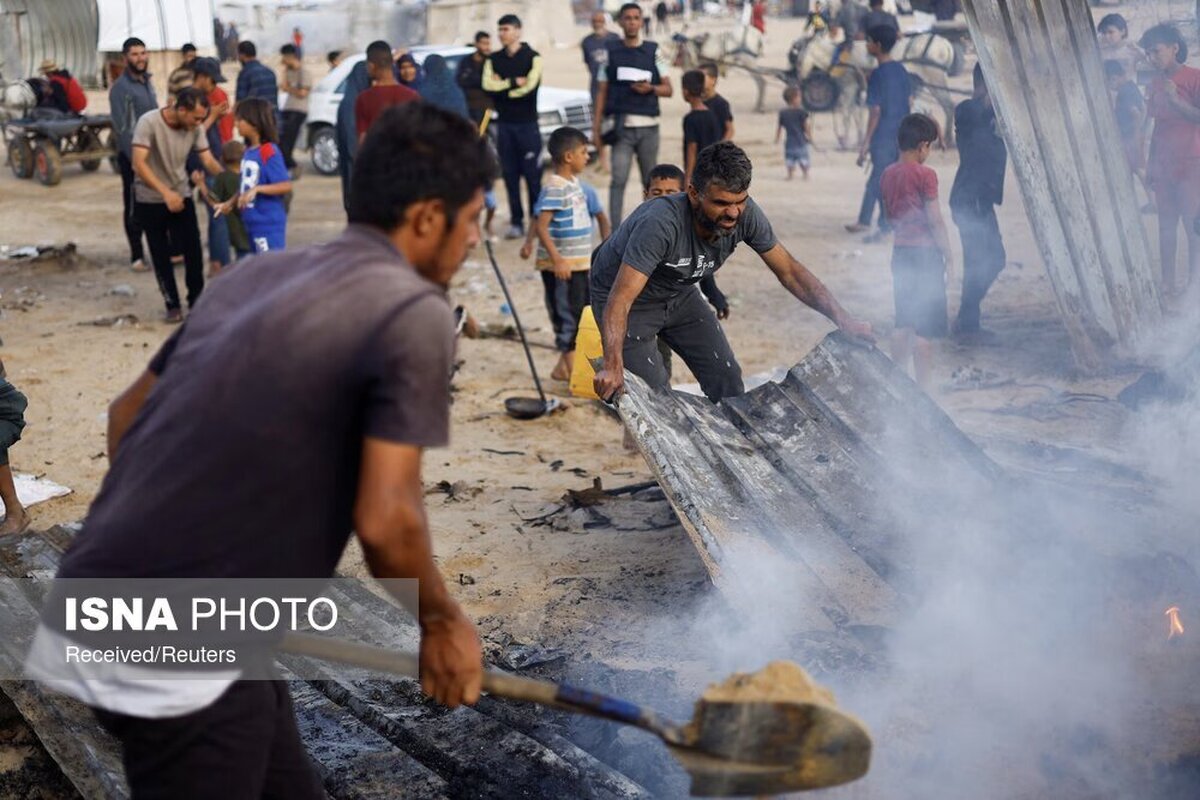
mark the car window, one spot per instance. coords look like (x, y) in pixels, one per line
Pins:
(341, 87)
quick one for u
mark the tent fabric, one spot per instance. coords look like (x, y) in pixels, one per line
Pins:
(34, 30)
(161, 24)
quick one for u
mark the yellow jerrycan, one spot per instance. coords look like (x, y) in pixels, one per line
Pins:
(588, 345)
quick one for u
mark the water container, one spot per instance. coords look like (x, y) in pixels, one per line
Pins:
(588, 345)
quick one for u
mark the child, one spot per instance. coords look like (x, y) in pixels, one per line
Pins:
(1115, 45)
(595, 211)
(700, 126)
(564, 231)
(219, 191)
(1130, 110)
(921, 257)
(794, 121)
(719, 105)
(668, 179)
(12, 421)
(265, 181)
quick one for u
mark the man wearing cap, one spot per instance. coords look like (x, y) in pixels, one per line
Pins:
(181, 76)
(65, 92)
(131, 96)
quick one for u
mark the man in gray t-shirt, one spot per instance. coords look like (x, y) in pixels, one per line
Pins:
(162, 141)
(288, 413)
(644, 278)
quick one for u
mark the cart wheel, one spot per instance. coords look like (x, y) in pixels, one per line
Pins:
(47, 162)
(20, 156)
(88, 141)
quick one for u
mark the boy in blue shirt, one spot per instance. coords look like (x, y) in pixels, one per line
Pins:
(888, 98)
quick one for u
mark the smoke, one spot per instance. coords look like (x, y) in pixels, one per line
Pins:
(1031, 638)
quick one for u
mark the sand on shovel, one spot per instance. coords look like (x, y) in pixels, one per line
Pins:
(777, 682)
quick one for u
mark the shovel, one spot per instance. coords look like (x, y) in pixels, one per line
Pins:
(521, 407)
(730, 748)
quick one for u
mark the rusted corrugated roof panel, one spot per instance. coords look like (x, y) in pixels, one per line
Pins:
(814, 473)
(34, 30)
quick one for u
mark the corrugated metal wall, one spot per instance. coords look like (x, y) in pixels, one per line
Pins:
(33, 30)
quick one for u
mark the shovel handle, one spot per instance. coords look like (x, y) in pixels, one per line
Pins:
(502, 684)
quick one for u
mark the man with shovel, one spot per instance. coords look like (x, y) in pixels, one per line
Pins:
(266, 429)
(644, 276)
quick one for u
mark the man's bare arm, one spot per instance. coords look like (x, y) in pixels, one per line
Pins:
(389, 518)
(628, 285)
(808, 289)
(124, 410)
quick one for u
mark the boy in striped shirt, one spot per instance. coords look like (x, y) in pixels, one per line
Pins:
(564, 232)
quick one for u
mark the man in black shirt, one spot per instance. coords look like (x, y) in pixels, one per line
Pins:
(270, 426)
(512, 75)
(644, 277)
(978, 188)
(595, 51)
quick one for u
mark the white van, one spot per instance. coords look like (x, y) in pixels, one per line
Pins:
(556, 107)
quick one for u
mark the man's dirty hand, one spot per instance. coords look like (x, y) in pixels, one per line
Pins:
(451, 660)
(609, 383)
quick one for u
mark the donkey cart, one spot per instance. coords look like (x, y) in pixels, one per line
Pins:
(38, 145)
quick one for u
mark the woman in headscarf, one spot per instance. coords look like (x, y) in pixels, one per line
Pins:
(347, 134)
(409, 73)
(440, 89)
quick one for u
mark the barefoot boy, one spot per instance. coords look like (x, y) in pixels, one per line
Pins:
(921, 256)
(564, 231)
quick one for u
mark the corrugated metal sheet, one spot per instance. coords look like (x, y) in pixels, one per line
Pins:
(811, 480)
(34, 30)
(161, 24)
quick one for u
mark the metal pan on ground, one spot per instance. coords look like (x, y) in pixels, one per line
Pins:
(530, 407)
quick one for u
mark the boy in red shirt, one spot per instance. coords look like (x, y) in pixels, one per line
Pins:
(921, 256)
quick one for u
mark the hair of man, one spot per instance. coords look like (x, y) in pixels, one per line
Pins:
(417, 152)
(189, 97)
(724, 165)
(915, 130)
(259, 113)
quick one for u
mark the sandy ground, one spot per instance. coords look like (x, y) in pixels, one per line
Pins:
(589, 590)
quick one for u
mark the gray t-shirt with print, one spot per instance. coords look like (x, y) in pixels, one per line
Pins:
(659, 240)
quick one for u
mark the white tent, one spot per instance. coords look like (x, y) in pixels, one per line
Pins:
(161, 24)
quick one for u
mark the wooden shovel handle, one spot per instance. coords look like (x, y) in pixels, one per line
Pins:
(502, 684)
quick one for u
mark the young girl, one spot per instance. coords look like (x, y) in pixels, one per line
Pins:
(265, 182)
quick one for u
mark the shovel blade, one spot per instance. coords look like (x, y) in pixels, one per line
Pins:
(765, 747)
